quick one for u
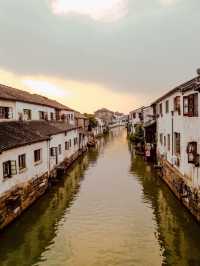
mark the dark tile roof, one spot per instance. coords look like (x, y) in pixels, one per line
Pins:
(13, 94)
(16, 134)
(191, 84)
(19, 133)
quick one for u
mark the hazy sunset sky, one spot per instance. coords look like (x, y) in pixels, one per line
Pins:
(88, 54)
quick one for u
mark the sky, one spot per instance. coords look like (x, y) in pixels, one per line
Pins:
(118, 54)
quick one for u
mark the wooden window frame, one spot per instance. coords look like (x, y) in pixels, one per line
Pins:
(177, 104)
(190, 105)
(167, 106)
(168, 142)
(60, 149)
(161, 109)
(177, 146)
(192, 152)
(67, 146)
(28, 112)
(22, 161)
(11, 170)
(161, 139)
(5, 112)
(36, 157)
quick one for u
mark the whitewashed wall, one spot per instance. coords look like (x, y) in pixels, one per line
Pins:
(20, 106)
(60, 139)
(133, 121)
(32, 170)
(72, 116)
(148, 114)
(189, 129)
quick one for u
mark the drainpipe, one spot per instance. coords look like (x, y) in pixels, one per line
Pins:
(172, 112)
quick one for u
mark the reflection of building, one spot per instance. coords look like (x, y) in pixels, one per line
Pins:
(35, 232)
(177, 232)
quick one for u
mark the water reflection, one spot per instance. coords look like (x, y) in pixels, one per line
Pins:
(177, 231)
(111, 209)
(24, 241)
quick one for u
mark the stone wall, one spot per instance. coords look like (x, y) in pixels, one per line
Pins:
(188, 196)
(20, 197)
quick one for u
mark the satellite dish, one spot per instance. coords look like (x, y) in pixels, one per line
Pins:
(198, 71)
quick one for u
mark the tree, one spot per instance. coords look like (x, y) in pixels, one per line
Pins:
(92, 121)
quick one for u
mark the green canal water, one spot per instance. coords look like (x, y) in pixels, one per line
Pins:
(111, 209)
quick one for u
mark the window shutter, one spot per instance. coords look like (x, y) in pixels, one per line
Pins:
(175, 103)
(10, 113)
(185, 105)
(196, 104)
(192, 152)
(191, 105)
(13, 167)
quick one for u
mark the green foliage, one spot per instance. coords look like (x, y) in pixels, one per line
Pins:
(92, 120)
(138, 136)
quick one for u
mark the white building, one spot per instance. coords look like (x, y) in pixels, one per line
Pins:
(178, 131)
(20, 105)
(38, 136)
(99, 129)
(135, 118)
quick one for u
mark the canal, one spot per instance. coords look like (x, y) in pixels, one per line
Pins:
(111, 209)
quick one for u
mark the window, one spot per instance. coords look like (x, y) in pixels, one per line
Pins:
(140, 115)
(27, 114)
(53, 151)
(190, 105)
(37, 155)
(161, 139)
(75, 141)
(22, 161)
(5, 113)
(67, 146)
(177, 104)
(70, 143)
(165, 143)
(160, 109)
(134, 115)
(192, 152)
(52, 116)
(9, 169)
(177, 143)
(185, 105)
(168, 142)
(60, 149)
(43, 115)
(167, 106)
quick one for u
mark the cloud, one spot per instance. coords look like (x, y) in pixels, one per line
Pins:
(45, 88)
(167, 3)
(104, 10)
(145, 52)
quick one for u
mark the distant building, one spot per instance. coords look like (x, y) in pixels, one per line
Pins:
(135, 118)
(105, 115)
